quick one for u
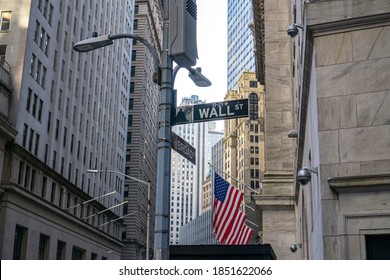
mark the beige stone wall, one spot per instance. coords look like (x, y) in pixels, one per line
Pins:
(276, 201)
(278, 121)
(353, 100)
(353, 97)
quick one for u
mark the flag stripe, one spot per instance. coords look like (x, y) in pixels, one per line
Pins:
(238, 223)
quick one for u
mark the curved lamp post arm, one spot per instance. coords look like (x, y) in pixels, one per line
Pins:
(106, 40)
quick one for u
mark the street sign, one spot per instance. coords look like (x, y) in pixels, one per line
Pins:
(220, 110)
(183, 148)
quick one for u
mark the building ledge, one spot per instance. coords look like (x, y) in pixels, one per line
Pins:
(6, 129)
(355, 184)
(267, 202)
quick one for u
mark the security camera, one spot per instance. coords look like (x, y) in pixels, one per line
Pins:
(292, 29)
(303, 175)
(293, 247)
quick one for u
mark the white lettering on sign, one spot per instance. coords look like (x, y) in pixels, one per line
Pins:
(215, 112)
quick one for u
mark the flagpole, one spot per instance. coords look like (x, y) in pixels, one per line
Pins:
(84, 202)
(252, 223)
(233, 178)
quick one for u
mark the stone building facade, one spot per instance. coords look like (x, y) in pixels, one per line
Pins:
(339, 65)
(274, 71)
(342, 64)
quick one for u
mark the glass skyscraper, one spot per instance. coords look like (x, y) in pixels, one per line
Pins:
(240, 40)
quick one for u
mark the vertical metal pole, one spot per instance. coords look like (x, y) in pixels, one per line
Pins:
(161, 234)
(148, 225)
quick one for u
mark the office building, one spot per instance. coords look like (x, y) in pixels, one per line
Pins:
(69, 110)
(198, 231)
(187, 178)
(240, 43)
(244, 146)
(141, 148)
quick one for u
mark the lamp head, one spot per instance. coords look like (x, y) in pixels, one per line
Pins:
(198, 78)
(92, 43)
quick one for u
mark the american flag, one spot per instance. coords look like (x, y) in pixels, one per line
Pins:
(228, 220)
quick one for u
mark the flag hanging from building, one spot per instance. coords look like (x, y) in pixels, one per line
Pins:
(228, 220)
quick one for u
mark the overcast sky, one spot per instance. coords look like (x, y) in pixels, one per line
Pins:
(212, 53)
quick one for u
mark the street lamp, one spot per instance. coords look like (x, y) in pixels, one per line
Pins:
(166, 107)
(148, 208)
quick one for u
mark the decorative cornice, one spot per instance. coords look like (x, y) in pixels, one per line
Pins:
(259, 36)
(356, 184)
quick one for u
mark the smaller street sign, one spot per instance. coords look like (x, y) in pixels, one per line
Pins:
(183, 148)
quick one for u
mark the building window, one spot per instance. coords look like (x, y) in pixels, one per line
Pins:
(131, 87)
(131, 103)
(78, 254)
(253, 84)
(20, 243)
(253, 106)
(32, 64)
(378, 246)
(5, 21)
(130, 120)
(53, 192)
(135, 27)
(61, 248)
(54, 159)
(47, 44)
(37, 136)
(132, 73)
(50, 14)
(29, 94)
(44, 184)
(42, 37)
(40, 110)
(43, 249)
(57, 128)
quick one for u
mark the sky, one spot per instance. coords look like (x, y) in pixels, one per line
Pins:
(212, 53)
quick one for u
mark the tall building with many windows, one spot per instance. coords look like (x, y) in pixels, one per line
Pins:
(240, 43)
(187, 178)
(70, 113)
(141, 149)
(244, 146)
